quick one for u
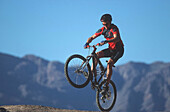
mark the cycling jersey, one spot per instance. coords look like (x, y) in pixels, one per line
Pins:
(109, 34)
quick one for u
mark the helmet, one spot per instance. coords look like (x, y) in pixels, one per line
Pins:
(106, 17)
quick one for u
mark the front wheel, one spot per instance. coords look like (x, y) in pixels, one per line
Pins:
(77, 71)
(107, 101)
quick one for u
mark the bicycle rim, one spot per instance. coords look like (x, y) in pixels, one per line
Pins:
(108, 102)
(76, 73)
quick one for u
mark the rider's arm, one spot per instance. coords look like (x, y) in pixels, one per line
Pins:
(114, 39)
(98, 33)
(90, 39)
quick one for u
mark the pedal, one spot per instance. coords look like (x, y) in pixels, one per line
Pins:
(103, 99)
(108, 95)
(104, 90)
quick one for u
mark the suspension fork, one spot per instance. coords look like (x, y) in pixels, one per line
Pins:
(86, 62)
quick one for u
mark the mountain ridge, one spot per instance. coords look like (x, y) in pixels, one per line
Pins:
(34, 80)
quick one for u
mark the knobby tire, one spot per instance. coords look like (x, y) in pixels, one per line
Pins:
(68, 75)
(98, 98)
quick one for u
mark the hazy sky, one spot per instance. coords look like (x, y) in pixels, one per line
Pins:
(55, 29)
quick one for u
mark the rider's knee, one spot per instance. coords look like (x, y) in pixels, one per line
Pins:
(110, 63)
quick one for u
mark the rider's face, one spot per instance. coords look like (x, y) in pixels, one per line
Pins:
(106, 24)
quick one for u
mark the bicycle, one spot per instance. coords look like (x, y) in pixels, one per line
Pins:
(78, 73)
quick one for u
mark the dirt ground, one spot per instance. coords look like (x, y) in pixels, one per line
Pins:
(34, 108)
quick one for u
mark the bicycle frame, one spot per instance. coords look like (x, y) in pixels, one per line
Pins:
(78, 73)
(93, 56)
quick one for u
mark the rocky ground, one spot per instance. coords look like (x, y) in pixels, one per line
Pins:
(34, 108)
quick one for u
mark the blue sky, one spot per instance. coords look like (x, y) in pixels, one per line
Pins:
(56, 29)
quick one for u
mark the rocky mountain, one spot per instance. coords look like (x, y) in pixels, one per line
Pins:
(31, 80)
(146, 88)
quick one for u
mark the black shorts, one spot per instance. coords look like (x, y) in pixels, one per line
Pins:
(114, 54)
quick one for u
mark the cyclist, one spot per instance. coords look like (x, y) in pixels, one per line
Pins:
(116, 46)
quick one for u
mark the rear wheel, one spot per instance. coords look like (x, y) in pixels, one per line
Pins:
(107, 101)
(77, 71)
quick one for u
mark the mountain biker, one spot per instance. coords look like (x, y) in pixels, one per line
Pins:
(116, 46)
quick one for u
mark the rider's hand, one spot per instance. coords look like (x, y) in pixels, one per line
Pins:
(86, 45)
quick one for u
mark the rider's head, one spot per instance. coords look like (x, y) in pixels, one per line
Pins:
(106, 20)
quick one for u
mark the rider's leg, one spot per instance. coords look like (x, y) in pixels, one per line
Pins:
(114, 58)
(109, 74)
(109, 70)
(100, 54)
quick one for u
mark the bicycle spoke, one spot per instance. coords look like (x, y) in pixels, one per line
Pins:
(107, 101)
(74, 67)
(76, 71)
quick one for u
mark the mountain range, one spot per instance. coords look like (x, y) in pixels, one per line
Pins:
(32, 80)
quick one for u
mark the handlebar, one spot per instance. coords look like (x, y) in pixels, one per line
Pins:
(94, 46)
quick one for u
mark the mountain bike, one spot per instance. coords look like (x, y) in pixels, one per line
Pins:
(78, 73)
